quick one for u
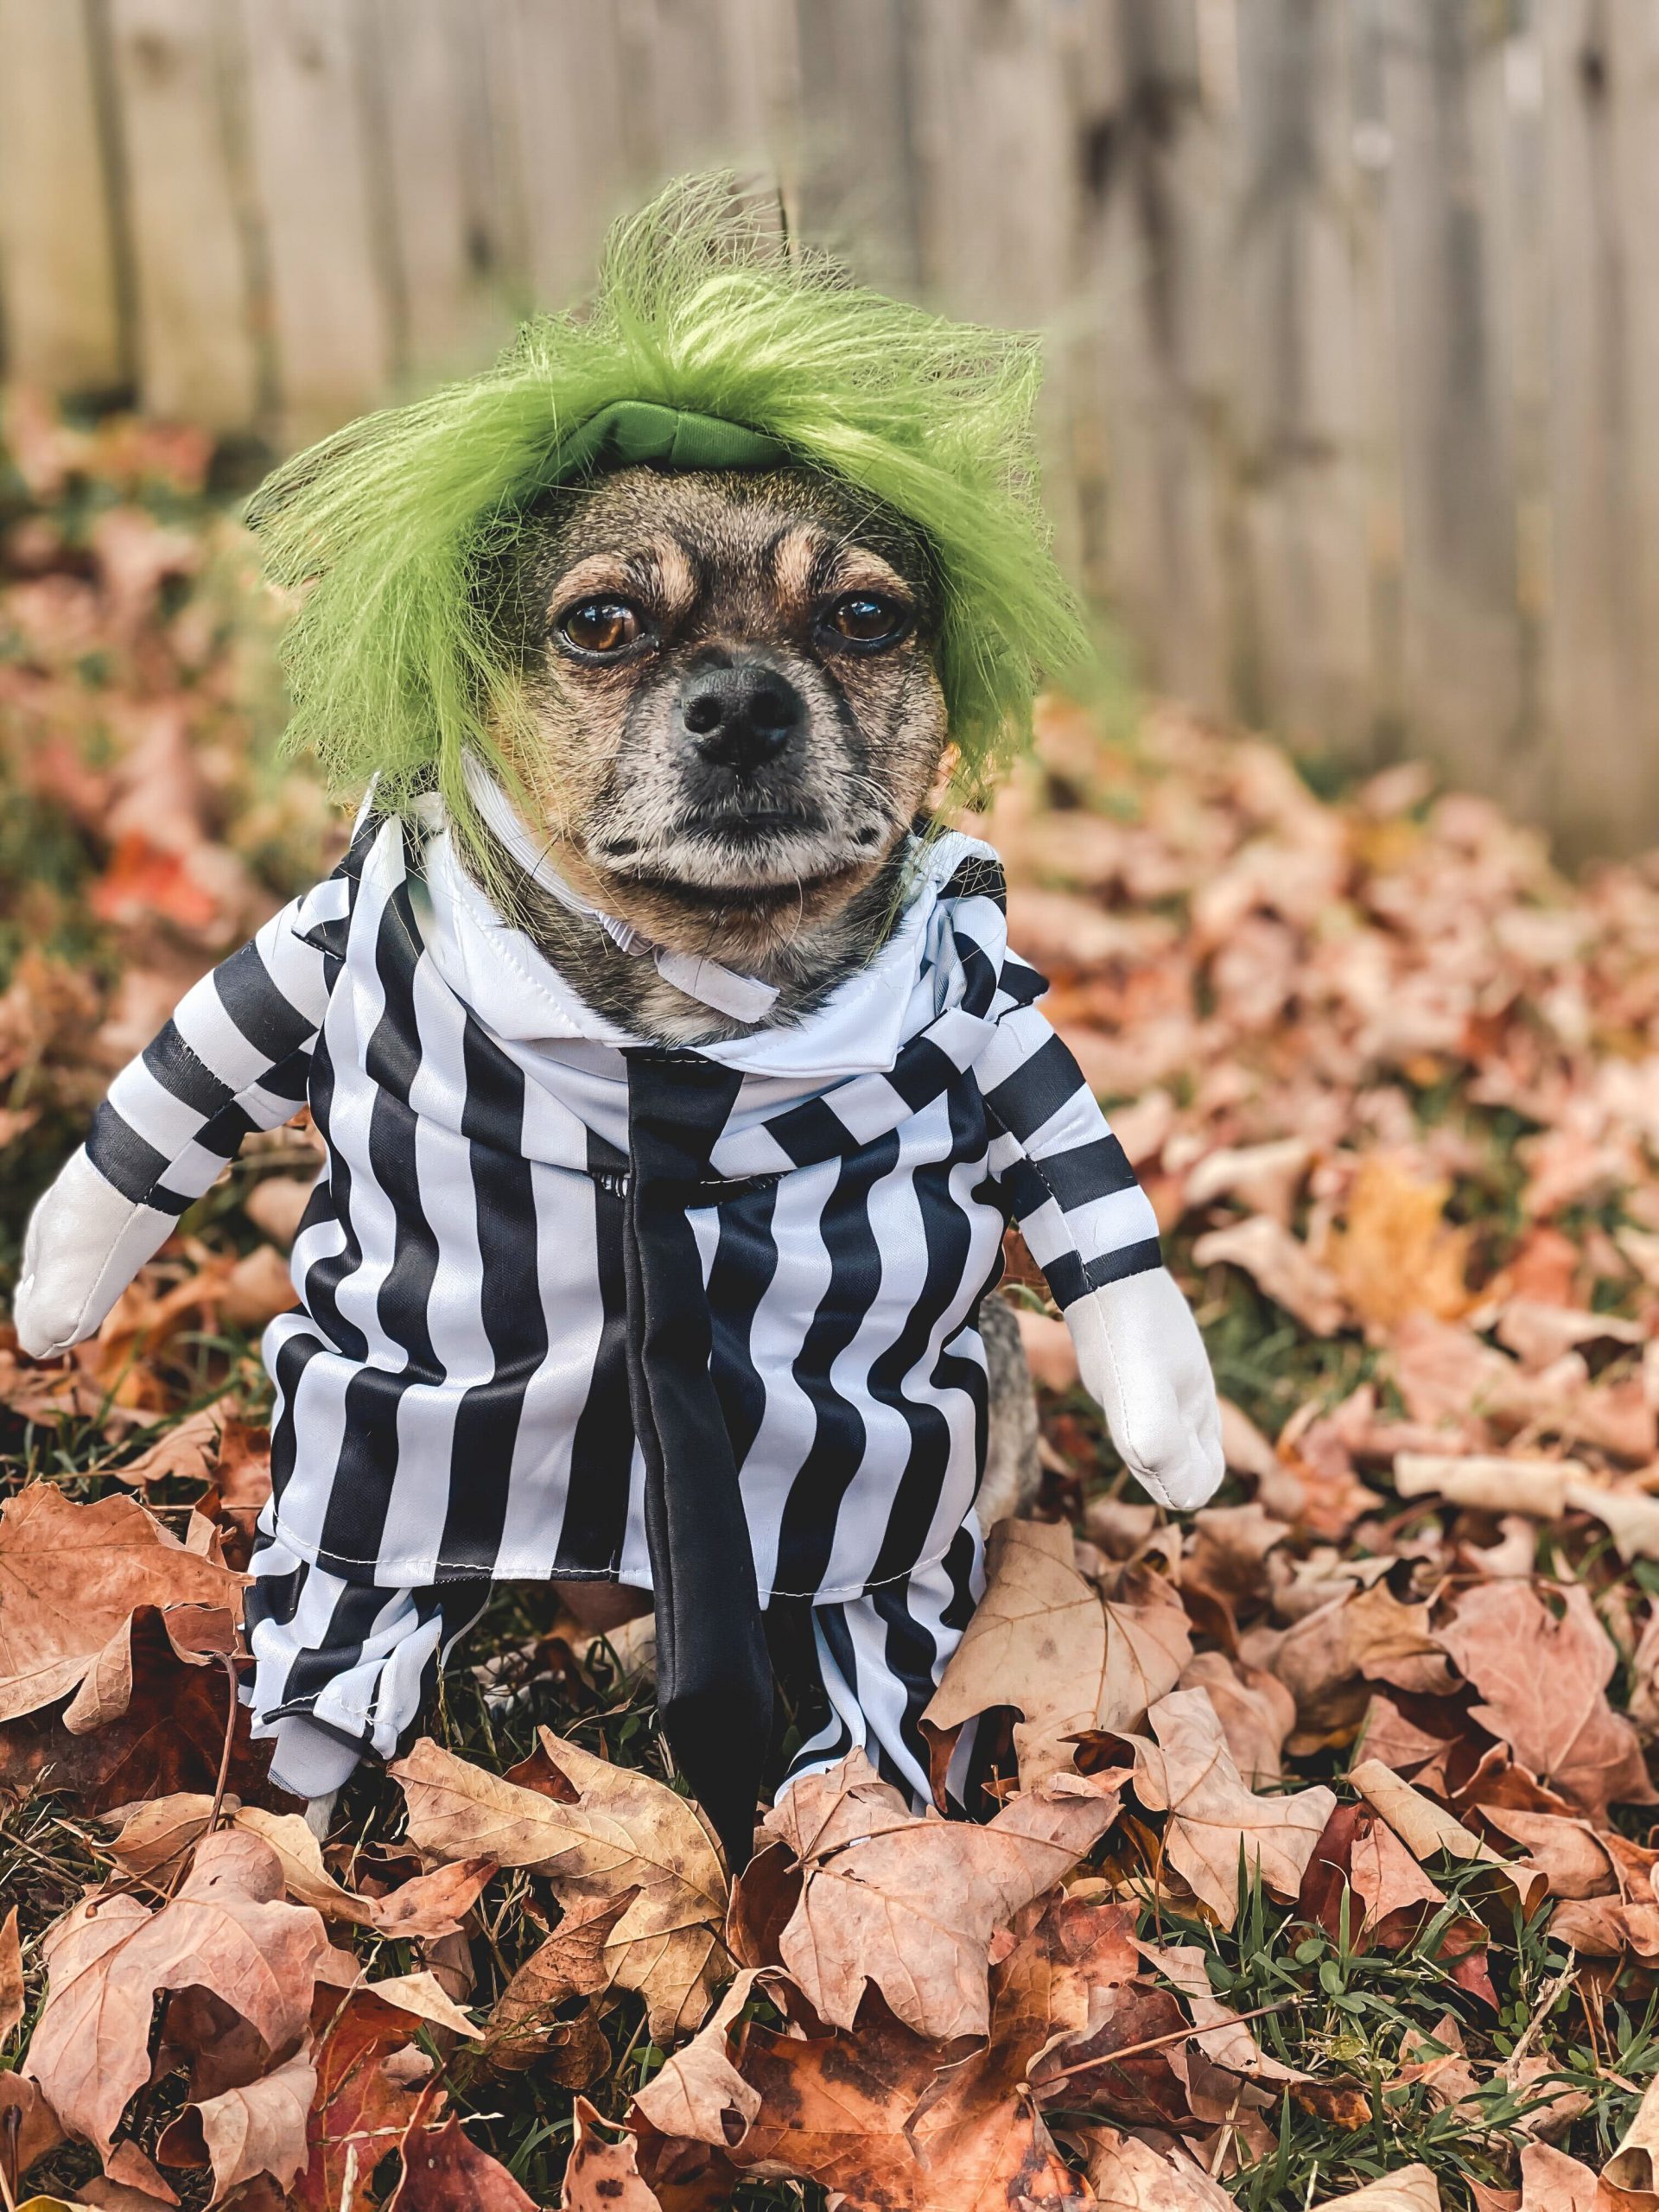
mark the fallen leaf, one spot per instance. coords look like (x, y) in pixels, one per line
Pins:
(571, 1963)
(1281, 1266)
(70, 1577)
(1635, 2165)
(1128, 2175)
(1256, 1712)
(1189, 1773)
(602, 2177)
(1488, 1483)
(12, 1975)
(1541, 1676)
(626, 1830)
(1044, 1640)
(227, 1928)
(1424, 1827)
(909, 1904)
(698, 2093)
(444, 2171)
(256, 2129)
(1396, 1254)
(1408, 2189)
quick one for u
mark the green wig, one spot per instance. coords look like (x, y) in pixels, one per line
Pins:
(708, 343)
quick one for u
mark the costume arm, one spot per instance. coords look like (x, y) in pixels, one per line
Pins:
(1090, 1227)
(234, 1057)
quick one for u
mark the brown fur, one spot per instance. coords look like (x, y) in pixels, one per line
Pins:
(792, 873)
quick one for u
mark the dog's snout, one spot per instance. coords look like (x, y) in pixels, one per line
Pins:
(740, 717)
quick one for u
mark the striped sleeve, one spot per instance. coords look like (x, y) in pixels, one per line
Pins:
(235, 1056)
(1063, 1175)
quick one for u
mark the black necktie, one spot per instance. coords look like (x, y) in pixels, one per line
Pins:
(713, 1679)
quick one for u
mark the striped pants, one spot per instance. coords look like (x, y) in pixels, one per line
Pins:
(363, 1662)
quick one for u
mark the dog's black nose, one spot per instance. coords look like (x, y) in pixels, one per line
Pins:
(740, 717)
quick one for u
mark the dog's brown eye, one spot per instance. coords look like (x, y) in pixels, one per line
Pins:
(865, 618)
(601, 626)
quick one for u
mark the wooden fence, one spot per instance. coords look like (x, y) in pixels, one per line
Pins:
(1354, 303)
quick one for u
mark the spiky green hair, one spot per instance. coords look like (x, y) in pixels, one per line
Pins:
(391, 527)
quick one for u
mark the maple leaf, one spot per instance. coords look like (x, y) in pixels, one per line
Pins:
(603, 2176)
(625, 1830)
(258, 2127)
(169, 1738)
(444, 2171)
(1044, 1640)
(910, 1904)
(1397, 1254)
(227, 1928)
(571, 1963)
(70, 1578)
(1542, 1679)
(1128, 2175)
(1188, 1771)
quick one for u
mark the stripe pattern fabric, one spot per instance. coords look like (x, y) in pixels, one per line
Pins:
(451, 1391)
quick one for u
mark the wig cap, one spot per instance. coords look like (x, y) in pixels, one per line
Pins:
(708, 343)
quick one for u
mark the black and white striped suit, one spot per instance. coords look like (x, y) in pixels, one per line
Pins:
(452, 1404)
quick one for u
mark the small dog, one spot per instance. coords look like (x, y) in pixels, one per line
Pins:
(675, 1077)
(740, 720)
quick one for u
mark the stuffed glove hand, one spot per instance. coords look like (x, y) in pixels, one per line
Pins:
(1143, 1362)
(85, 1244)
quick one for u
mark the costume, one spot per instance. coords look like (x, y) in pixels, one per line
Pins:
(704, 1322)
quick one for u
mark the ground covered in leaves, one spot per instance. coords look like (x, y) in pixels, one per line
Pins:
(1321, 1860)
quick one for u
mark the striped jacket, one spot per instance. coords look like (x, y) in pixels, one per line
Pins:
(451, 1394)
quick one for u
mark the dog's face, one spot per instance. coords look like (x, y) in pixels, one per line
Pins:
(733, 695)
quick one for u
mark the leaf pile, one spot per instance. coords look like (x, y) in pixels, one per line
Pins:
(1319, 1854)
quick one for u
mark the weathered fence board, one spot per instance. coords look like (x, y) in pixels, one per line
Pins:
(193, 278)
(65, 319)
(1352, 305)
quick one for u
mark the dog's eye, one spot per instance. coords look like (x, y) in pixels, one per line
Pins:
(866, 618)
(601, 626)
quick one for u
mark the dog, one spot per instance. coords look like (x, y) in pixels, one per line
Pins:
(738, 723)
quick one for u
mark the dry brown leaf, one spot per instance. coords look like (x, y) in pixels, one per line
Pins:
(227, 1929)
(1044, 1640)
(571, 1963)
(910, 1904)
(1328, 1657)
(1256, 1710)
(420, 1909)
(1408, 2188)
(259, 2128)
(1188, 1771)
(626, 1830)
(1635, 2163)
(1489, 1483)
(12, 1975)
(1396, 1254)
(1281, 1266)
(1424, 1827)
(1128, 2175)
(603, 2176)
(1574, 1859)
(698, 2094)
(70, 1577)
(1541, 1677)
(1553, 2182)
(1632, 1516)
(444, 2171)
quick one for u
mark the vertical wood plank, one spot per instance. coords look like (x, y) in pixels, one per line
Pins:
(1299, 394)
(193, 279)
(59, 254)
(429, 86)
(331, 300)
(1464, 650)
(1160, 208)
(1603, 109)
(857, 152)
(557, 100)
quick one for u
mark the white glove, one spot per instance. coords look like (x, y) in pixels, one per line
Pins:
(309, 1761)
(1143, 1362)
(85, 1244)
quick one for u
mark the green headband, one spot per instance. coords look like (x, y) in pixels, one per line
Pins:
(631, 432)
